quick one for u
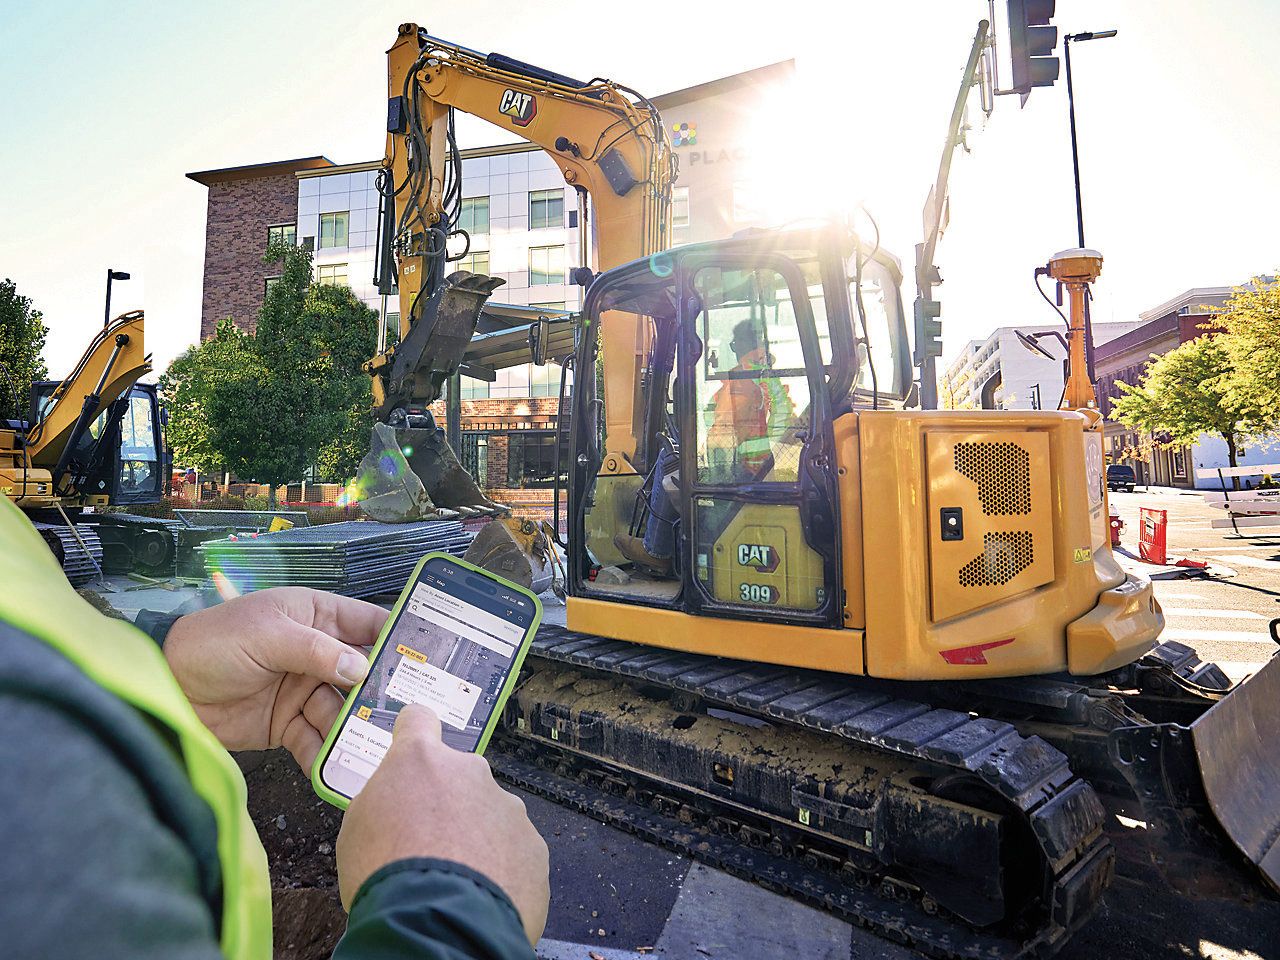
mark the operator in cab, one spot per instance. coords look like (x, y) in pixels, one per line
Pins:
(124, 822)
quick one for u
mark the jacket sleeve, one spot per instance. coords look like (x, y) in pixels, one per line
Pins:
(89, 870)
(425, 909)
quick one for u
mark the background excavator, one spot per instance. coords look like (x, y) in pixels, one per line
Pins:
(94, 439)
(879, 658)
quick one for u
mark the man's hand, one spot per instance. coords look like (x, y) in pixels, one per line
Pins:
(258, 669)
(429, 800)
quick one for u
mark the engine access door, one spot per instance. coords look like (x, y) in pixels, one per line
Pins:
(990, 523)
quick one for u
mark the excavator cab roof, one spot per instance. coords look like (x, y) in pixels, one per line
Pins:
(853, 289)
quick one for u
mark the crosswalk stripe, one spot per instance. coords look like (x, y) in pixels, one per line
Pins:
(1209, 613)
(1241, 636)
(1249, 562)
(1237, 670)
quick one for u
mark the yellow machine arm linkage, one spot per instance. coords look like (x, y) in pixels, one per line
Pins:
(608, 144)
(112, 364)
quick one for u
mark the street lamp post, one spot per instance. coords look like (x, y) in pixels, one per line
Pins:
(1075, 168)
(106, 312)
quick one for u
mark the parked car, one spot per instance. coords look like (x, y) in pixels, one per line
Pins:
(1120, 476)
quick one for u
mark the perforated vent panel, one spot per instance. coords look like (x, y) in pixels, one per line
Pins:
(1005, 554)
(1002, 472)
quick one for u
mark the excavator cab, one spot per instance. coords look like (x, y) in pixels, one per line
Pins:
(712, 490)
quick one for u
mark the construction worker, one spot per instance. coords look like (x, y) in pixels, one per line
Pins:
(747, 412)
(123, 819)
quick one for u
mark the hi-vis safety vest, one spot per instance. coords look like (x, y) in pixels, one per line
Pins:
(35, 597)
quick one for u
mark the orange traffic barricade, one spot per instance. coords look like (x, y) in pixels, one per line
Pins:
(1151, 540)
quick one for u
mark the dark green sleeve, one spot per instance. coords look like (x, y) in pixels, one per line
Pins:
(425, 909)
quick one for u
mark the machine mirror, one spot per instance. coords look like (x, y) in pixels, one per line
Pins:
(539, 338)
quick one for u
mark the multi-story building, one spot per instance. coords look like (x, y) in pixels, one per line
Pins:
(1002, 372)
(1126, 358)
(522, 220)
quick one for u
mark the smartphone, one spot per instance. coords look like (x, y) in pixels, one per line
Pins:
(454, 641)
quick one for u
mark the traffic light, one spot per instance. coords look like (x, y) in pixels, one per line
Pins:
(1031, 41)
(928, 330)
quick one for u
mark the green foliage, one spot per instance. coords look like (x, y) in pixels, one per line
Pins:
(22, 336)
(1251, 319)
(1188, 392)
(286, 397)
(186, 388)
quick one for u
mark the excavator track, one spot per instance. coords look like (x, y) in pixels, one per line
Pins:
(952, 833)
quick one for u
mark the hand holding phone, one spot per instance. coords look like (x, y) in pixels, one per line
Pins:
(458, 813)
(454, 642)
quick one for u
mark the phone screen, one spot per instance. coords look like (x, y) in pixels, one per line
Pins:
(451, 647)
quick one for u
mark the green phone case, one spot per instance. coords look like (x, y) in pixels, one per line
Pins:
(337, 799)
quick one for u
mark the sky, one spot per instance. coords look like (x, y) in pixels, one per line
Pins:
(106, 107)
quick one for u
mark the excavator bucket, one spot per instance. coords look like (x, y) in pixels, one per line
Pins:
(1237, 743)
(412, 474)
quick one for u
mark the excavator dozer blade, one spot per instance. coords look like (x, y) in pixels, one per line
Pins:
(1237, 743)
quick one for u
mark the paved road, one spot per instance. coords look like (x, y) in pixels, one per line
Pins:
(613, 894)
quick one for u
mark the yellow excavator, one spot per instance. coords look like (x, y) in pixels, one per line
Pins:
(879, 658)
(91, 440)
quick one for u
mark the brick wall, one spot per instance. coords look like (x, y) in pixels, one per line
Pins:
(235, 239)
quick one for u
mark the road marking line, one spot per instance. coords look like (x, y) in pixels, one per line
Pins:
(1161, 595)
(1240, 636)
(717, 915)
(564, 950)
(1237, 670)
(1250, 562)
(1209, 613)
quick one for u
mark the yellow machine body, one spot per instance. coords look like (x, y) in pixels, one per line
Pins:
(112, 364)
(1032, 587)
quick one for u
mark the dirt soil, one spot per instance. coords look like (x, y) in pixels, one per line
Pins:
(299, 831)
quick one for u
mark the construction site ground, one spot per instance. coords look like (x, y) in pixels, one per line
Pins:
(615, 897)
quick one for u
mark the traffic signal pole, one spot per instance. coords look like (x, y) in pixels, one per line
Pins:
(928, 327)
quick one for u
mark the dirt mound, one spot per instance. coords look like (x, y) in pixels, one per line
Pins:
(299, 831)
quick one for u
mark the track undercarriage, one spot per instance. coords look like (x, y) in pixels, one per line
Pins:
(963, 826)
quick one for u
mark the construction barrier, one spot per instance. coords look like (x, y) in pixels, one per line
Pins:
(1151, 538)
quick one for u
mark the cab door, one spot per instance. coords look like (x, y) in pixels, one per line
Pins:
(759, 521)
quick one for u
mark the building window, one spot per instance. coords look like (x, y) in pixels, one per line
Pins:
(474, 217)
(475, 457)
(477, 262)
(544, 381)
(680, 208)
(334, 274)
(473, 389)
(283, 233)
(511, 382)
(268, 283)
(333, 230)
(546, 209)
(546, 265)
(558, 305)
(1179, 463)
(531, 459)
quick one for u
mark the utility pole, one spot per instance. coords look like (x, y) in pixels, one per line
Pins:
(106, 312)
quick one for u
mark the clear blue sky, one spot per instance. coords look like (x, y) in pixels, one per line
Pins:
(108, 105)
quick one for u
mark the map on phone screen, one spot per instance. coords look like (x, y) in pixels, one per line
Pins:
(443, 652)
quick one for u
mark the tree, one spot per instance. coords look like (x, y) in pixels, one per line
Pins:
(185, 389)
(298, 398)
(1251, 319)
(22, 336)
(1188, 392)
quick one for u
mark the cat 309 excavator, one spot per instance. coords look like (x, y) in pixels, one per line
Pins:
(879, 658)
(93, 439)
